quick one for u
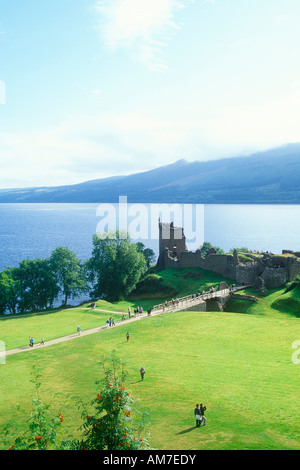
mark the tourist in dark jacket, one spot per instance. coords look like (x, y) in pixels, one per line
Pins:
(197, 414)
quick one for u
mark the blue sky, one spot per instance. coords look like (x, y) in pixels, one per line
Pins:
(95, 88)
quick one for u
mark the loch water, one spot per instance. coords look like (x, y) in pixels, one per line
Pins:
(29, 231)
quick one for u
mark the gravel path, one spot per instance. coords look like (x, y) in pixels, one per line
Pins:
(76, 335)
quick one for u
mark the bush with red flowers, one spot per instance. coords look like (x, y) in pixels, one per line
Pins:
(112, 425)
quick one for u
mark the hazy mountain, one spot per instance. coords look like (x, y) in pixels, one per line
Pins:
(267, 177)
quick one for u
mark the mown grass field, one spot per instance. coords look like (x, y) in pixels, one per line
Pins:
(238, 364)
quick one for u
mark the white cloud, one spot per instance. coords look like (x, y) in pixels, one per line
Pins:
(143, 26)
(271, 123)
(86, 147)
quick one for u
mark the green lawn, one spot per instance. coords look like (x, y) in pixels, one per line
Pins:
(239, 365)
(15, 330)
(57, 323)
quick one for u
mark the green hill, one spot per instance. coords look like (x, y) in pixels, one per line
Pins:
(269, 177)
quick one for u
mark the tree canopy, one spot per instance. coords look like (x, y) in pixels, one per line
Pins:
(115, 266)
(68, 272)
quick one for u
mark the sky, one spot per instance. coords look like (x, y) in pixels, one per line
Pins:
(98, 88)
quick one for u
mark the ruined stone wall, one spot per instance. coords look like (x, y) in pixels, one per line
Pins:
(273, 270)
(293, 268)
(247, 273)
(221, 264)
(274, 277)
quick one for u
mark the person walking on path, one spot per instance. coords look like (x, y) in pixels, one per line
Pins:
(202, 409)
(142, 372)
(31, 341)
(197, 414)
(79, 330)
(127, 336)
(42, 341)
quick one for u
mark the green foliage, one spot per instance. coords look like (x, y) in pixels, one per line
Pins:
(244, 258)
(149, 254)
(35, 284)
(206, 246)
(38, 288)
(43, 428)
(10, 288)
(240, 250)
(115, 267)
(153, 286)
(111, 426)
(68, 272)
(291, 285)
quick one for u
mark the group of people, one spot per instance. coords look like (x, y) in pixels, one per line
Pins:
(199, 415)
(31, 341)
(110, 322)
(139, 310)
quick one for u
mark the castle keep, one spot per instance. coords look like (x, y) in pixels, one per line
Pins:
(262, 271)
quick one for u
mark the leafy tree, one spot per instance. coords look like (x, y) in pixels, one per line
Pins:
(38, 286)
(10, 288)
(68, 272)
(149, 254)
(115, 267)
(207, 246)
(111, 426)
(243, 249)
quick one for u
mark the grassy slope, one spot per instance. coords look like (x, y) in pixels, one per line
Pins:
(239, 365)
(59, 323)
(289, 302)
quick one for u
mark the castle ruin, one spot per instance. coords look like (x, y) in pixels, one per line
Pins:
(263, 271)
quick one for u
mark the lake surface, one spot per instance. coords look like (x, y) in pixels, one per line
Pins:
(34, 230)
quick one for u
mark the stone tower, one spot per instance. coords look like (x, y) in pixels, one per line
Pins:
(172, 241)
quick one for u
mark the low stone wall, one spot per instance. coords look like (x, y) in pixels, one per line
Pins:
(221, 264)
(247, 273)
(243, 297)
(199, 307)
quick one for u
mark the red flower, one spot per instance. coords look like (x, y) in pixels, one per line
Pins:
(38, 438)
